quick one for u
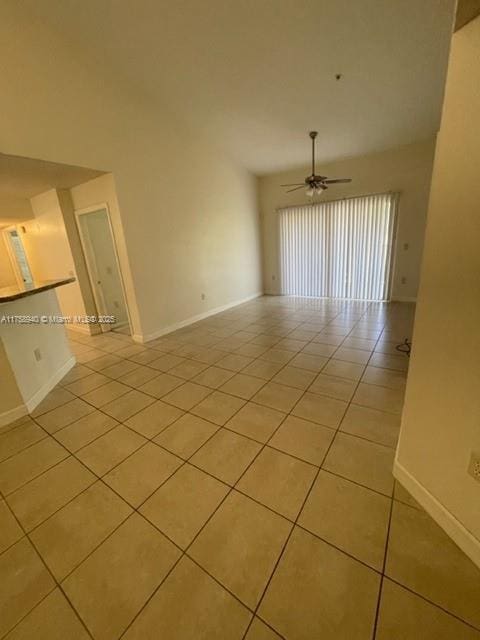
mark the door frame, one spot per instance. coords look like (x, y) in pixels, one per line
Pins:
(392, 259)
(91, 268)
(11, 254)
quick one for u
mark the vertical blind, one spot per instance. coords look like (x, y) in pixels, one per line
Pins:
(338, 249)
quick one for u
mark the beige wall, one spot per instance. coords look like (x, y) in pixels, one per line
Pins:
(441, 418)
(100, 191)
(189, 214)
(48, 250)
(52, 244)
(406, 169)
(71, 230)
(7, 275)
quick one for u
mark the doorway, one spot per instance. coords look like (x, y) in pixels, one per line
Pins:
(103, 267)
(18, 257)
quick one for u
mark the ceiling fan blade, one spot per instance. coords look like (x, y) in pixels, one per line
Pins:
(333, 180)
(295, 184)
(296, 188)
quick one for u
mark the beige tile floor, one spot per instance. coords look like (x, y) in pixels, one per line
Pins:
(230, 480)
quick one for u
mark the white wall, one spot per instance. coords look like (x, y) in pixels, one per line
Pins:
(34, 378)
(406, 169)
(189, 214)
(11, 401)
(441, 417)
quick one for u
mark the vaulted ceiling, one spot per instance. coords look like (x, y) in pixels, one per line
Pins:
(258, 74)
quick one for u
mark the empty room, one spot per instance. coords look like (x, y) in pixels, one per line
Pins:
(239, 311)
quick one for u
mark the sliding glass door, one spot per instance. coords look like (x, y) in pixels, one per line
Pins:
(339, 249)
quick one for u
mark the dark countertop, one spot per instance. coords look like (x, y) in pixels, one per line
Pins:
(7, 294)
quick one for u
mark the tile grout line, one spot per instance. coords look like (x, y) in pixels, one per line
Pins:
(306, 498)
(385, 551)
(431, 602)
(99, 409)
(185, 551)
(337, 347)
(134, 510)
(203, 527)
(384, 564)
(282, 552)
(55, 581)
(158, 399)
(224, 425)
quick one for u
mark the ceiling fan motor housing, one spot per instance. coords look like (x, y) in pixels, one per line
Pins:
(314, 183)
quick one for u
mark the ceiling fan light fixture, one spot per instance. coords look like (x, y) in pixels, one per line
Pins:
(314, 184)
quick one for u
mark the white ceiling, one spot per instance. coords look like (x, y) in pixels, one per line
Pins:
(23, 178)
(259, 74)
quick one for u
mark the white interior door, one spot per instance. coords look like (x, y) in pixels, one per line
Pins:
(101, 257)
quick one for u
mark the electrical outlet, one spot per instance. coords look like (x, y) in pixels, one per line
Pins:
(203, 296)
(404, 280)
(273, 277)
(406, 246)
(474, 466)
(38, 354)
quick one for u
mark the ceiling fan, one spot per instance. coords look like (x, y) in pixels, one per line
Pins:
(314, 184)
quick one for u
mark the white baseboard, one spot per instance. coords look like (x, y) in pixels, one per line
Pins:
(12, 414)
(393, 299)
(79, 328)
(462, 537)
(35, 400)
(137, 337)
(24, 409)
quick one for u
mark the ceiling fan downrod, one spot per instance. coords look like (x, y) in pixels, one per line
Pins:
(313, 135)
